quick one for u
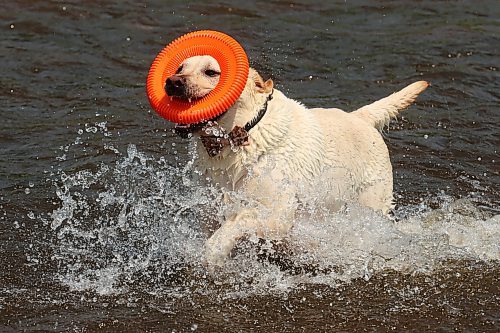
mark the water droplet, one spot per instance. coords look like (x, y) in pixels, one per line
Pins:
(27, 190)
(12, 26)
(132, 151)
(91, 129)
(426, 136)
(31, 184)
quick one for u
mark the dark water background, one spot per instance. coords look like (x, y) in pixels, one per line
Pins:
(74, 113)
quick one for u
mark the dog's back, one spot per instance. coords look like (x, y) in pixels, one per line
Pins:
(358, 165)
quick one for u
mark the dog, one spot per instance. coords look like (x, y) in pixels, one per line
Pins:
(272, 156)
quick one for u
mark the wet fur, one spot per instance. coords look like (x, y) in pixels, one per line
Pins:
(321, 157)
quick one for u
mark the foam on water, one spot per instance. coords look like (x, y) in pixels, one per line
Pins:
(136, 223)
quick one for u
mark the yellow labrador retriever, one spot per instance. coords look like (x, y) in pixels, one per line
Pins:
(273, 155)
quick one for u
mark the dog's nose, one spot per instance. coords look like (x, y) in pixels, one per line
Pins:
(174, 86)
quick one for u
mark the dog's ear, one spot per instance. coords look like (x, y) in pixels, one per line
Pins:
(268, 86)
(264, 87)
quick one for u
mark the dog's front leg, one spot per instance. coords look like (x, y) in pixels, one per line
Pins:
(219, 245)
(271, 218)
(245, 224)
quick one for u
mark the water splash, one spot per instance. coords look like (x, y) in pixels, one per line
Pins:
(121, 220)
(137, 224)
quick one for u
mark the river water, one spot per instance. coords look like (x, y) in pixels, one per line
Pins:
(99, 218)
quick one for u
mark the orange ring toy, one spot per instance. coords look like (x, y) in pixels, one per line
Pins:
(234, 66)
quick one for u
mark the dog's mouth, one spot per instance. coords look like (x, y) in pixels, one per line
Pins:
(185, 98)
(188, 98)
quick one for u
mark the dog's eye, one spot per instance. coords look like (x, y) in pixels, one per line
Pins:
(179, 69)
(211, 73)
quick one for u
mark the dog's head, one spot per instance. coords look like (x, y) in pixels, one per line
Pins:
(195, 78)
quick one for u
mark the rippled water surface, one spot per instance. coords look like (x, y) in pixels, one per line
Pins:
(99, 217)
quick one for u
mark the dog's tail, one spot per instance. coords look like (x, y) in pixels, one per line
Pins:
(379, 113)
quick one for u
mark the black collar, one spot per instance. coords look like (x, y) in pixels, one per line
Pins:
(260, 115)
(183, 130)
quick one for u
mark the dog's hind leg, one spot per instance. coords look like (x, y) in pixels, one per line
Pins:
(378, 196)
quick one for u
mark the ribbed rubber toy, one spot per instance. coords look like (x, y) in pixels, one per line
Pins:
(234, 66)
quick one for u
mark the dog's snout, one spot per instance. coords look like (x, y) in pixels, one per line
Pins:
(174, 86)
(176, 81)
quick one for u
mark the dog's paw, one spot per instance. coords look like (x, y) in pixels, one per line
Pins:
(217, 249)
(214, 256)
